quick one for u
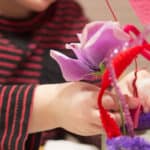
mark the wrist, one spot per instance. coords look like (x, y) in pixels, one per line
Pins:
(43, 116)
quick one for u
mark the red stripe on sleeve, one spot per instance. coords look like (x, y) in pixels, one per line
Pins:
(8, 107)
(14, 117)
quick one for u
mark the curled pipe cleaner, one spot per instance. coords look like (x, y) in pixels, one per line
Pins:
(111, 10)
(124, 105)
(120, 63)
(127, 29)
(140, 38)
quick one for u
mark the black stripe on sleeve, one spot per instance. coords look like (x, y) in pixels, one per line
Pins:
(16, 107)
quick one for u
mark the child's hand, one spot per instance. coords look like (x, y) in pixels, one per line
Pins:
(143, 87)
(77, 111)
(72, 106)
(126, 86)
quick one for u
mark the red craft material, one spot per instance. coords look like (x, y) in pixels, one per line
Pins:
(120, 63)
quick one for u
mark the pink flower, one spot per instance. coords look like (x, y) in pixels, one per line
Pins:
(97, 41)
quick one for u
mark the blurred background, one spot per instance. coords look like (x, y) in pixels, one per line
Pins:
(97, 10)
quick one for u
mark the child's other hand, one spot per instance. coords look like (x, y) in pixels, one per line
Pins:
(143, 87)
(77, 111)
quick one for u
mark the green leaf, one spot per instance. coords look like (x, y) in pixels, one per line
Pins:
(102, 68)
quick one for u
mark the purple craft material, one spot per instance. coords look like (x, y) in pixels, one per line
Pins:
(127, 143)
(144, 121)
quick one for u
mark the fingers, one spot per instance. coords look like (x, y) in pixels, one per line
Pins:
(132, 102)
(96, 120)
(111, 102)
(117, 117)
(146, 104)
(143, 73)
(94, 125)
(126, 84)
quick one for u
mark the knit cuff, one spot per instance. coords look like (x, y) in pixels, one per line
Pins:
(15, 110)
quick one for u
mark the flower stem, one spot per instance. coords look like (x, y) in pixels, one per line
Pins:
(123, 103)
(103, 142)
(122, 119)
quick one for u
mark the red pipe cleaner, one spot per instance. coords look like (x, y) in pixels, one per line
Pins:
(120, 63)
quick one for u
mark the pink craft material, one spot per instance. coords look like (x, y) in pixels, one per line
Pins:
(142, 10)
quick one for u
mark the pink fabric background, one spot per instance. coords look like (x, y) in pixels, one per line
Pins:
(142, 9)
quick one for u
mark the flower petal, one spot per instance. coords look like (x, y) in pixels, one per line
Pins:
(76, 48)
(107, 38)
(72, 69)
(89, 30)
(79, 35)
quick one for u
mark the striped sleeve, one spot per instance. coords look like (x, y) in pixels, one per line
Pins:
(15, 109)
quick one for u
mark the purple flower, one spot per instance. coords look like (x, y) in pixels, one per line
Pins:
(97, 40)
(127, 143)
